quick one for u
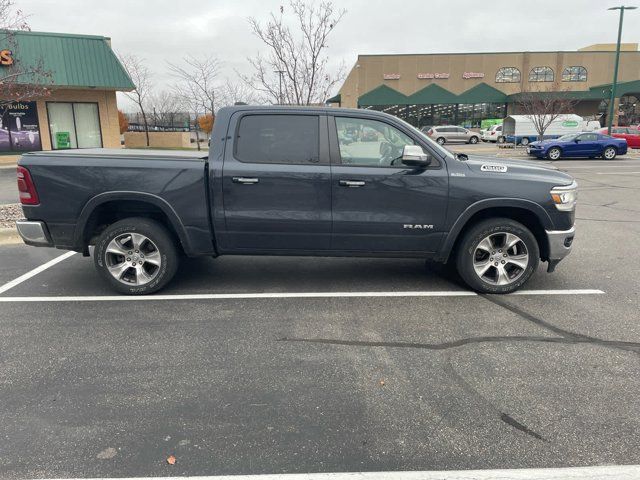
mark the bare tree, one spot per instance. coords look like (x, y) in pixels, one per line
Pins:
(543, 108)
(196, 84)
(165, 108)
(196, 87)
(233, 93)
(141, 77)
(19, 81)
(295, 70)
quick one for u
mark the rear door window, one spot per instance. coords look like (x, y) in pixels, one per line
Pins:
(284, 139)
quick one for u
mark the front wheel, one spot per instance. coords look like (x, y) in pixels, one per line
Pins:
(554, 153)
(497, 255)
(609, 153)
(136, 256)
(524, 141)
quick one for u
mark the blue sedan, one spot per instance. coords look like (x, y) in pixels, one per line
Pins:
(589, 145)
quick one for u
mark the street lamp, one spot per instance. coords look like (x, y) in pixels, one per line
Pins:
(615, 68)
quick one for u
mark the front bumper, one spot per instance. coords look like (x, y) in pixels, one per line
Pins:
(34, 233)
(560, 243)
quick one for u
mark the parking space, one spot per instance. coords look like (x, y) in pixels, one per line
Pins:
(422, 375)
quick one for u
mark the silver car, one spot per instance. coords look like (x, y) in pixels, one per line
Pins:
(451, 134)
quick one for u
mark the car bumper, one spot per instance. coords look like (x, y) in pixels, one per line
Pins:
(34, 233)
(560, 244)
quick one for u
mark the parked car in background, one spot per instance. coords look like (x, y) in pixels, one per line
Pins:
(585, 144)
(452, 134)
(493, 134)
(631, 135)
(521, 129)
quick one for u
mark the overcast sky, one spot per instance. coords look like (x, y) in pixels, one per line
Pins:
(162, 30)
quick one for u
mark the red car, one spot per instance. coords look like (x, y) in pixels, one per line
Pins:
(630, 134)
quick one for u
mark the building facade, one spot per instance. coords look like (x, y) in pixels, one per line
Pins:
(466, 88)
(81, 75)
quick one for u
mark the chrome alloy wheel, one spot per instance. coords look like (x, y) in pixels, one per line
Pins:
(133, 259)
(609, 153)
(500, 259)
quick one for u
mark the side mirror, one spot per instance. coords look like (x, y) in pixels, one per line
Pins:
(414, 156)
(577, 140)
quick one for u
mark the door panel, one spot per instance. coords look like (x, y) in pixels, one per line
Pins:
(379, 207)
(279, 196)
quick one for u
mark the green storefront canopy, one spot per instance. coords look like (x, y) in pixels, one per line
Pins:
(482, 93)
(82, 61)
(432, 94)
(383, 95)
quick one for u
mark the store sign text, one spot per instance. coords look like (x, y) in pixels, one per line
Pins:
(6, 58)
(473, 75)
(391, 76)
(423, 76)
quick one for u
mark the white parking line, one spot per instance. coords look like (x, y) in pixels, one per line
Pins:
(232, 296)
(34, 272)
(609, 472)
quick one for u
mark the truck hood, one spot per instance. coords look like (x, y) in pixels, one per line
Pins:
(509, 168)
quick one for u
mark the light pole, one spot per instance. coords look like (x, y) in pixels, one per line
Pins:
(280, 72)
(622, 8)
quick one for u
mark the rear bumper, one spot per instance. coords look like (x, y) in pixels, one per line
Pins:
(34, 233)
(560, 244)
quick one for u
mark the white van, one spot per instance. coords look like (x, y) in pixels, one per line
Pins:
(521, 129)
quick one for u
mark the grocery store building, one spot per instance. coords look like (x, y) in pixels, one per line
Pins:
(79, 110)
(466, 88)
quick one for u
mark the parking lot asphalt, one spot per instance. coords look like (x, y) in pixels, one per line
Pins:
(94, 388)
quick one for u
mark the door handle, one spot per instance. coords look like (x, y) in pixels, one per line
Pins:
(245, 180)
(352, 183)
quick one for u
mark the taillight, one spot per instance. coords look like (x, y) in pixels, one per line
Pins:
(26, 188)
(493, 133)
(430, 132)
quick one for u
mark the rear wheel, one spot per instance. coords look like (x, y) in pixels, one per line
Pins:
(441, 140)
(501, 139)
(136, 256)
(473, 140)
(497, 256)
(554, 153)
(609, 153)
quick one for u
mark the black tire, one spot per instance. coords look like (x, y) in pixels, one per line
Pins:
(158, 238)
(441, 140)
(550, 155)
(473, 140)
(466, 254)
(501, 139)
(612, 154)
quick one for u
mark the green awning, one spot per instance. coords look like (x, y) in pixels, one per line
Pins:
(482, 93)
(382, 95)
(80, 61)
(335, 99)
(432, 94)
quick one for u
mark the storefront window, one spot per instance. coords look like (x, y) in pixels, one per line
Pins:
(541, 74)
(74, 125)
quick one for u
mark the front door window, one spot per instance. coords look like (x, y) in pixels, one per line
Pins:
(370, 143)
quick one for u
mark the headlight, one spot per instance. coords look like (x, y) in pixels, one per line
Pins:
(565, 197)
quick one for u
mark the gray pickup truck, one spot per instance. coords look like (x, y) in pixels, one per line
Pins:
(299, 181)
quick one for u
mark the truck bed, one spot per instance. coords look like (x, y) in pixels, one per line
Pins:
(71, 183)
